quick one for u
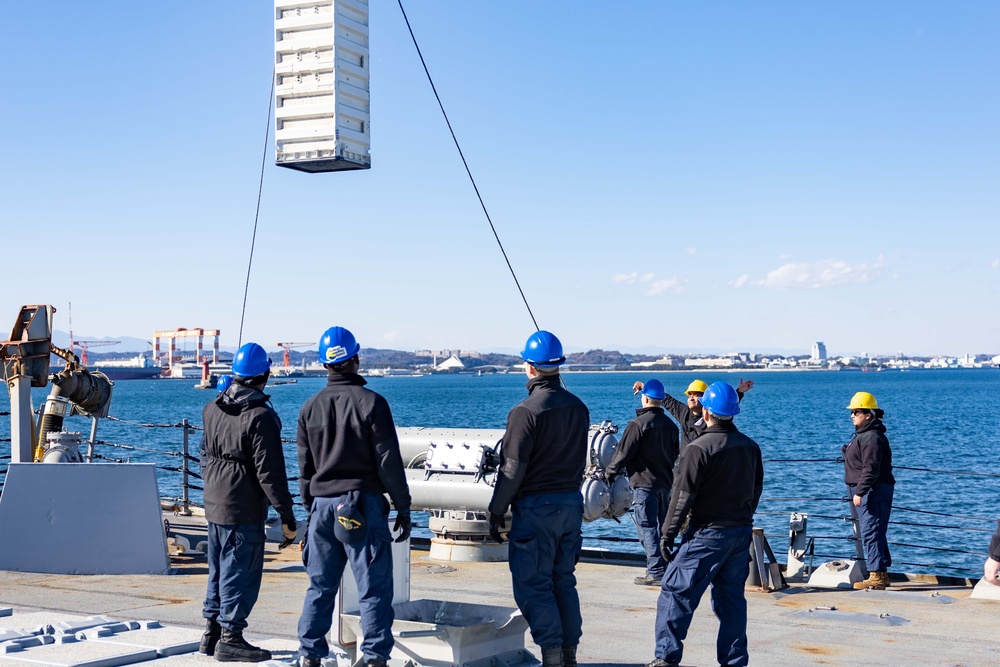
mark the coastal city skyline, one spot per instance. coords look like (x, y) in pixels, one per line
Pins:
(664, 177)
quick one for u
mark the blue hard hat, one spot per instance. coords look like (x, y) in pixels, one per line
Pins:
(250, 361)
(544, 350)
(654, 390)
(721, 399)
(337, 345)
(224, 383)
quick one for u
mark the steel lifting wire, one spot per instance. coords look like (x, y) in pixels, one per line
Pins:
(465, 162)
(256, 217)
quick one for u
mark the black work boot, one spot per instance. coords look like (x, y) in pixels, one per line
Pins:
(233, 648)
(660, 662)
(310, 662)
(378, 662)
(569, 656)
(552, 657)
(211, 637)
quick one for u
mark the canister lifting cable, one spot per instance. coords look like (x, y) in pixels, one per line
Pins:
(465, 163)
(256, 217)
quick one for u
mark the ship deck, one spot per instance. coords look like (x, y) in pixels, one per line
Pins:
(912, 623)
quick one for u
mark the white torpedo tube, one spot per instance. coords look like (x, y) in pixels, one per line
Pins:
(451, 474)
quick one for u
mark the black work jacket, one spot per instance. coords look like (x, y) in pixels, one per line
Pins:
(691, 425)
(719, 479)
(242, 462)
(995, 544)
(868, 458)
(544, 449)
(647, 450)
(347, 442)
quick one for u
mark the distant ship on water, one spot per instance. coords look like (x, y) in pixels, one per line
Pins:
(138, 367)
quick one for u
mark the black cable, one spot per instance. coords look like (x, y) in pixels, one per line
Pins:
(465, 163)
(949, 472)
(954, 516)
(920, 546)
(929, 566)
(803, 461)
(935, 525)
(256, 217)
(841, 499)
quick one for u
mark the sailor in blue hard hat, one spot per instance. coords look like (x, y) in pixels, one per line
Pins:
(647, 451)
(349, 459)
(717, 485)
(243, 467)
(542, 458)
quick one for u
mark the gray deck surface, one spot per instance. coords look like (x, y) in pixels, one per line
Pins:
(947, 629)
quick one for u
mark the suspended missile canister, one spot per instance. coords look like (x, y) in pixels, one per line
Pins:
(321, 85)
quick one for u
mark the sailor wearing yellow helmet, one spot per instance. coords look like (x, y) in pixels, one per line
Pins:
(868, 474)
(689, 414)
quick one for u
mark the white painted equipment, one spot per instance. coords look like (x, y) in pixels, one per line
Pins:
(321, 85)
(800, 548)
(984, 590)
(432, 632)
(80, 518)
(837, 574)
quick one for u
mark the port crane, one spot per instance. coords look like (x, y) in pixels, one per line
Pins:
(85, 345)
(287, 358)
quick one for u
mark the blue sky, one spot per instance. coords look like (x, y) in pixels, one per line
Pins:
(665, 176)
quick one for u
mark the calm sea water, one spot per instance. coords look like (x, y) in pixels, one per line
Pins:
(940, 420)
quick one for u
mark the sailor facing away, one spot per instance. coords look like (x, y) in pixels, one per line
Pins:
(542, 459)
(243, 466)
(348, 459)
(648, 451)
(718, 482)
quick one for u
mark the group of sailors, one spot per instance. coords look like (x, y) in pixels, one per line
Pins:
(696, 488)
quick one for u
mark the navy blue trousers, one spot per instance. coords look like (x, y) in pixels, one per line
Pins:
(873, 522)
(235, 567)
(325, 558)
(650, 511)
(545, 542)
(720, 557)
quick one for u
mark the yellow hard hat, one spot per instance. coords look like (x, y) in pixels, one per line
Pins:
(863, 401)
(697, 386)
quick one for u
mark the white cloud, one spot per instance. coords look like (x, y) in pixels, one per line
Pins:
(825, 273)
(995, 264)
(625, 277)
(740, 282)
(692, 251)
(653, 286)
(391, 336)
(675, 285)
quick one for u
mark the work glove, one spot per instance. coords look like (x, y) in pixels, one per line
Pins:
(287, 531)
(497, 523)
(305, 534)
(403, 524)
(667, 548)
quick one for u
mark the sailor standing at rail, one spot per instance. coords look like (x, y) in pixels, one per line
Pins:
(648, 451)
(688, 415)
(243, 467)
(718, 481)
(542, 459)
(868, 474)
(348, 459)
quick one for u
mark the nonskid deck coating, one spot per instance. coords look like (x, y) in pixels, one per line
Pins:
(618, 615)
